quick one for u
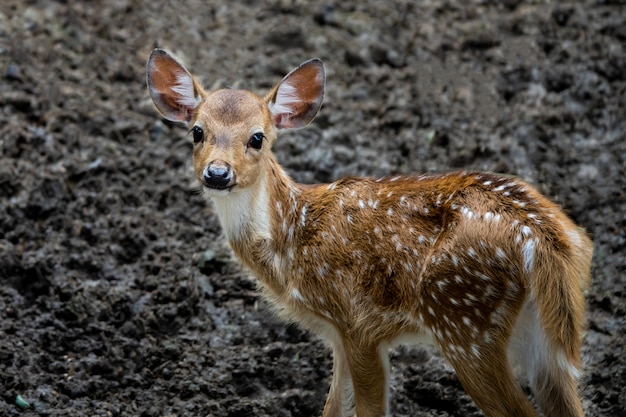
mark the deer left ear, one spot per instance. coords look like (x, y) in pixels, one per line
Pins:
(295, 101)
(174, 91)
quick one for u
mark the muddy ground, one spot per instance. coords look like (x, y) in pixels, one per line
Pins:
(119, 296)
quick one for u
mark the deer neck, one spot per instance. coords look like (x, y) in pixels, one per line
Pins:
(259, 221)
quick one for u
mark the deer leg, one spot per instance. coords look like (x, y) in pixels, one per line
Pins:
(552, 375)
(369, 367)
(340, 400)
(487, 377)
(557, 394)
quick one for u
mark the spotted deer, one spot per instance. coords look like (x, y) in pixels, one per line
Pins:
(480, 265)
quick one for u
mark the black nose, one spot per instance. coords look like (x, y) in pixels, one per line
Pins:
(217, 176)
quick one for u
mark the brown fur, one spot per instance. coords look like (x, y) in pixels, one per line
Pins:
(465, 260)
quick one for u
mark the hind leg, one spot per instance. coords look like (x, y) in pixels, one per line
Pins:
(486, 376)
(557, 394)
(552, 375)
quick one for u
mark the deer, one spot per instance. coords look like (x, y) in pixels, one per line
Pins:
(480, 265)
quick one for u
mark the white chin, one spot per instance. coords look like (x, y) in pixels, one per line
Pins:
(216, 193)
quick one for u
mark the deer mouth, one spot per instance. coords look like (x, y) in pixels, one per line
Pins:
(218, 187)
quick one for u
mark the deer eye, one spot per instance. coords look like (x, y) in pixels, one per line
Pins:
(198, 134)
(256, 140)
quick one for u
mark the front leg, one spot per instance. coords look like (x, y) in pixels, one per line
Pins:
(340, 400)
(369, 368)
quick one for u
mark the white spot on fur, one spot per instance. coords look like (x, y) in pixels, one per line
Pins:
(488, 291)
(483, 276)
(475, 350)
(321, 271)
(528, 251)
(296, 295)
(303, 215)
(396, 240)
(499, 188)
(574, 237)
(467, 212)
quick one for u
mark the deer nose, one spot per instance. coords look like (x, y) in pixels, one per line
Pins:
(217, 176)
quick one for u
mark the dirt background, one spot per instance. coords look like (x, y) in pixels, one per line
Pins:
(119, 296)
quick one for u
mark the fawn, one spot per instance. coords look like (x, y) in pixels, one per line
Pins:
(482, 266)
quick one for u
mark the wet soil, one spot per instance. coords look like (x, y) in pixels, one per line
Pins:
(118, 294)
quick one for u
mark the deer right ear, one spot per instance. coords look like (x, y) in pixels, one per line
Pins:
(174, 91)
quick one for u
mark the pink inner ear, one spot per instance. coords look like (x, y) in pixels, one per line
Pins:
(185, 90)
(286, 99)
(283, 121)
(298, 97)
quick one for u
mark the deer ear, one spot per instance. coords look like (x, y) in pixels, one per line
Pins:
(174, 91)
(295, 101)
